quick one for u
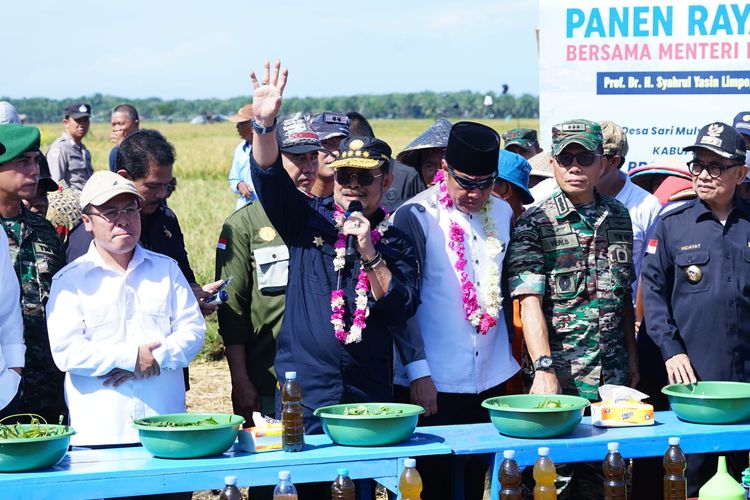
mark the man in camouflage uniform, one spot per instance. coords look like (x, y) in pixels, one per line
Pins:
(37, 254)
(570, 264)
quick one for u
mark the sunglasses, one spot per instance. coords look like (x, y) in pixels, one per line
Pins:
(471, 184)
(714, 169)
(583, 159)
(364, 178)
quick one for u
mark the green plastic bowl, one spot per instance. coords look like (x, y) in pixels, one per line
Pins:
(370, 430)
(192, 441)
(523, 419)
(18, 455)
(710, 402)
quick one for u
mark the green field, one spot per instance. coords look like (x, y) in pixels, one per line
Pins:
(203, 200)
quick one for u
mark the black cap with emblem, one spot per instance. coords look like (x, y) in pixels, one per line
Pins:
(77, 110)
(721, 139)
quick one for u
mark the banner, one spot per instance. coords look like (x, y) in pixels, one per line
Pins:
(661, 69)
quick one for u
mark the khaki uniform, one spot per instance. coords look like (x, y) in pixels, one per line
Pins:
(69, 161)
(582, 265)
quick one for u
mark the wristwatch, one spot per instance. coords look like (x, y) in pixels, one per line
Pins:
(543, 363)
(260, 129)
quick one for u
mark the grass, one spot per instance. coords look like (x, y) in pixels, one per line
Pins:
(203, 200)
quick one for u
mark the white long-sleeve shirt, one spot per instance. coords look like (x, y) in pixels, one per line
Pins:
(97, 317)
(458, 358)
(12, 348)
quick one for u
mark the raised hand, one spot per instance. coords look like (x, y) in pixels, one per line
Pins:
(267, 93)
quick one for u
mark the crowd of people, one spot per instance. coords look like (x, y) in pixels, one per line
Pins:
(466, 266)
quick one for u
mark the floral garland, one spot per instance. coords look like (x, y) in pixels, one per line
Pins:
(362, 288)
(481, 320)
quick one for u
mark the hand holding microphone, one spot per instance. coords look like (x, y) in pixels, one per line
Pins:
(350, 255)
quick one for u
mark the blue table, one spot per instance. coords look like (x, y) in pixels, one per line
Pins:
(589, 444)
(103, 473)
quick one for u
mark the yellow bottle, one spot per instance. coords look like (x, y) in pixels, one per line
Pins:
(544, 476)
(410, 484)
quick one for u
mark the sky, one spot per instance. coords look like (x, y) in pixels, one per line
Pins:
(206, 49)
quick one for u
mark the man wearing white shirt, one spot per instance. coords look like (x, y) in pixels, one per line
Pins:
(122, 321)
(12, 349)
(461, 233)
(643, 206)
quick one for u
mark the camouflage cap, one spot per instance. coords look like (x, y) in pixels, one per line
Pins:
(615, 141)
(579, 131)
(523, 137)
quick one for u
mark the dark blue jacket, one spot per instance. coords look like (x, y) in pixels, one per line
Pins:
(329, 371)
(696, 289)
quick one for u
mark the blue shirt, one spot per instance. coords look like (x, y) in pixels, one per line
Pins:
(696, 289)
(329, 371)
(240, 172)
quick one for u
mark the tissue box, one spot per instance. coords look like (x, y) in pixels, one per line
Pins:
(257, 439)
(628, 413)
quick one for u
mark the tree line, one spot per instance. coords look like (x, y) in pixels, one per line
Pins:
(463, 104)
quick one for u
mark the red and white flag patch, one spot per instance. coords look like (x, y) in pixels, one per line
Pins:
(651, 248)
(222, 244)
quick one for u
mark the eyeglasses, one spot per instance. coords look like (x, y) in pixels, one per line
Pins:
(365, 178)
(471, 184)
(583, 159)
(714, 169)
(111, 216)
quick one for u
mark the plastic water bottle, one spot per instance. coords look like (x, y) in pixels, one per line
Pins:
(544, 476)
(510, 477)
(342, 487)
(410, 483)
(292, 421)
(285, 490)
(230, 491)
(675, 483)
(614, 474)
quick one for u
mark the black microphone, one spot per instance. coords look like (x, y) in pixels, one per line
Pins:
(350, 255)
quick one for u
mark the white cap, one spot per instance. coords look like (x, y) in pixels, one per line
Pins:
(285, 475)
(290, 375)
(8, 113)
(613, 446)
(509, 454)
(674, 441)
(543, 451)
(230, 479)
(105, 185)
(410, 463)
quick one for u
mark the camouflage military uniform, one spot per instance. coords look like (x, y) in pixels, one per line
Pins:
(37, 254)
(582, 266)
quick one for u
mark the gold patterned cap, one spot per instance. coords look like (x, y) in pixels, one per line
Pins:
(362, 152)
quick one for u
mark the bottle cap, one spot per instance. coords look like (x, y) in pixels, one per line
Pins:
(230, 480)
(543, 451)
(509, 454)
(285, 475)
(290, 375)
(410, 463)
(613, 446)
(674, 441)
(342, 471)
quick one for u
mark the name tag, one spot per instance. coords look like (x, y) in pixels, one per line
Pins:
(562, 242)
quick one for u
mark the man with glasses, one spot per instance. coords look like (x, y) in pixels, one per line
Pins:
(342, 315)
(570, 264)
(695, 277)
(252, 252)
(122, 321)
(146, 158)
(36, 253)
(461, 233)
